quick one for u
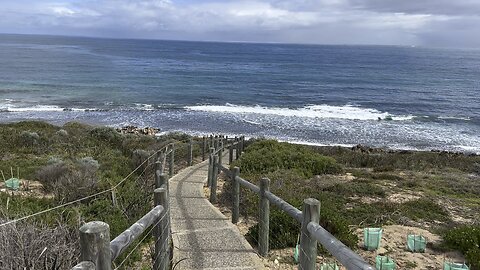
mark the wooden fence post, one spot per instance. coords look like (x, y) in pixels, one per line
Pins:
(162, 231)
(264, 218)
(171, 165)
(308, 244)
(243, 143)
(114, 198)
(230, 154)
(95, 244)
(213, 187)
(190, 152)
(236, 195)
(215, 142)
(84, 266)
(161, 180)
(237, 150)
(204, 147)
(220, 155)
(210, 167)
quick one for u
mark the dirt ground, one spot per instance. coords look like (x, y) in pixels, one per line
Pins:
(28, 188)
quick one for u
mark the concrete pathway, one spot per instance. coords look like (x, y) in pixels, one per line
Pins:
(203, 237)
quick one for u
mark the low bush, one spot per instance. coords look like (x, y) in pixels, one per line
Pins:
(269, 155)
(283, 231)
(36, 246)
(28, 138)
(107, 135)
(69, 181)
(424, 209)
(467, 240)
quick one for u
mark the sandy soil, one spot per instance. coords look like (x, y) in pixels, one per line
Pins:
(394, 245)
(28, 188)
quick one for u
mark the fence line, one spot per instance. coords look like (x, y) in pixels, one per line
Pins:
(86, 197)
(311, 231)
(96, 250)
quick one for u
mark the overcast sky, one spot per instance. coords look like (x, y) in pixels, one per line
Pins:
(451, 23)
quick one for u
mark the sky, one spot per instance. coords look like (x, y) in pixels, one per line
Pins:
(439, 23)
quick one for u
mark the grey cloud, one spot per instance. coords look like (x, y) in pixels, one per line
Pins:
(438, 7)
(402, 22)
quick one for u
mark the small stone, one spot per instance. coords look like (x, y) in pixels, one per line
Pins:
(276, 261)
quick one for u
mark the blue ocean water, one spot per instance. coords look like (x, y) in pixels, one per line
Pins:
(426, 98)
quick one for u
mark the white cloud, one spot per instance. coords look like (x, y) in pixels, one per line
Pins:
(302, 21)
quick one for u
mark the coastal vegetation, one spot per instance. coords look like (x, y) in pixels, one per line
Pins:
(436, 192)
(58, 165)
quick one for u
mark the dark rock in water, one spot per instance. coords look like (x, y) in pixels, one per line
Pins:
(136, 130)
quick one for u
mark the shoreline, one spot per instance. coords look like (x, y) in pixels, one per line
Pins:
(157, 132)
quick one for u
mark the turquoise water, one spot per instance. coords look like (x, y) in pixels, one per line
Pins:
(332, 95)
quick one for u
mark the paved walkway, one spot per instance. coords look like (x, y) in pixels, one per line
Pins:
(203, 237)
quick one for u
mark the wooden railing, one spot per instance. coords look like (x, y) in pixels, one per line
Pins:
(98, 252)
(311, 232)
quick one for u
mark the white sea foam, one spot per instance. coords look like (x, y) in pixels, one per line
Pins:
(37, 108)
(144, 107)
(454, 118)
(312, 111)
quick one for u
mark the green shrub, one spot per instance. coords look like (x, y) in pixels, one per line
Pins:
(28, 138)
(269, 155)
(467, 240)
(69, 181)
(107, 135)
(359, 188)
(424, 209)
(283, 231)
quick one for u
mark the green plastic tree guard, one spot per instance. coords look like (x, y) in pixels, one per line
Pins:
(384, 263)
(372, 238)
(12, 184)
(454, 266)
(416, 243)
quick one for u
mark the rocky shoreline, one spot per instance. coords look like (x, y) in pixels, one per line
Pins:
(136, 130)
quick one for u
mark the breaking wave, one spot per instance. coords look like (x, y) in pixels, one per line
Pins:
(349, 112)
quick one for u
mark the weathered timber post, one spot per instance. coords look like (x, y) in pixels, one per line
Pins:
(243, 143)
(308, 244)
(158, 166)
(213, 187)
(161, 180)
(210, 170)
(95, 244)
(220, 155)
(210, 166)
(264, 218)
(215, 142)
(237, 150)
(211, 141)
(204, 147)
(158, 181)
(84, 266)
(230, 154)
(236, 195)
(162, 231)
(190, 152)
(171, 165)
(114, 198)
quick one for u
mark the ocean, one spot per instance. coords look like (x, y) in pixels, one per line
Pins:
(382, 96)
